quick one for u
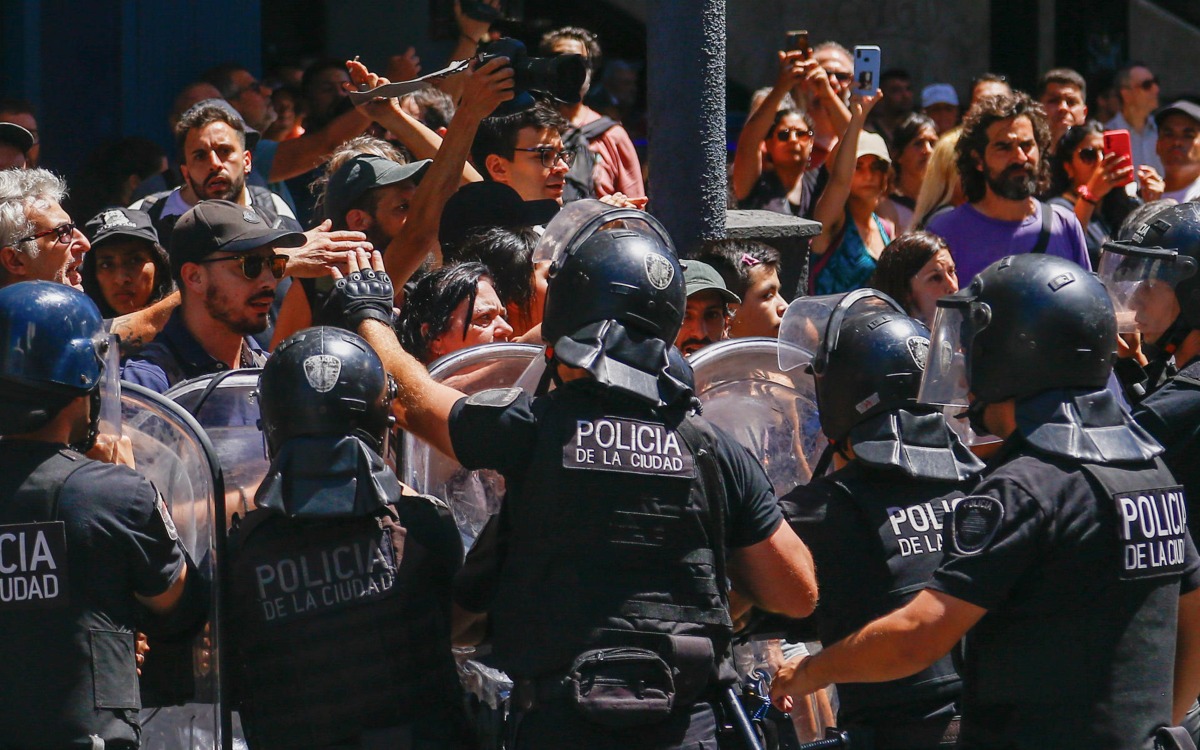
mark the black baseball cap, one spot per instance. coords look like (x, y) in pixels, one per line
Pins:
(120, 222)
(362, 173)
(15, 135)
(223, 226)
(481, 205)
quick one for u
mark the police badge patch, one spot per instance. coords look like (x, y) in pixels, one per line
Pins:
(918, 347)
(495, 397)
(659, 270)
(321, 371)
(976, 520)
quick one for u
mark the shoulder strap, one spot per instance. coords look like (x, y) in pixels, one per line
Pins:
(1043, 240)
(597, 128)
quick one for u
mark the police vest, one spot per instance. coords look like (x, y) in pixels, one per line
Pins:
(261, 199)
(902, 520)
(1024, 678)
(614, 537)
(338, 628)
(82, 677)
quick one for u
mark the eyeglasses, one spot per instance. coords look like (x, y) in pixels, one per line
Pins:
(64, 232)
(843, 77)
(1148, 84)
(1088, 155)
(253, 265)
(783, 135)
(550, 155)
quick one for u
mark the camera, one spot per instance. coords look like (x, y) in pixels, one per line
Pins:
(561, 77)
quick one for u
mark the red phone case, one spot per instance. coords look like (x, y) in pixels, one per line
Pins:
(1117, 142)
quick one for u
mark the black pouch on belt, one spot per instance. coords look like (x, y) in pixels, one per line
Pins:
(621, 688)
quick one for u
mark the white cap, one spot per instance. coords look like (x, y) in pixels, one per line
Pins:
(938, 93)
(872, 144)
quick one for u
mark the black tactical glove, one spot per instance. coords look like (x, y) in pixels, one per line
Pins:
(361, 295)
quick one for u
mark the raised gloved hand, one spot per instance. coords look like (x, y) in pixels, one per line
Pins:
(361, 295)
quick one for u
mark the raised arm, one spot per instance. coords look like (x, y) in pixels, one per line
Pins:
(831, 206)
(470, 33)
(748, 159)
(137, 329)
(485, 89)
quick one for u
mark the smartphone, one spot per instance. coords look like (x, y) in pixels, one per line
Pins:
(866, 69)
(797, 41)
(1117, 142)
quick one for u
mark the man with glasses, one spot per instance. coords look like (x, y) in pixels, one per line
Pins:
(1179, 148)
(225, 262)
(38, 241)
(1138, 89)
(524, 150)
(706, 317)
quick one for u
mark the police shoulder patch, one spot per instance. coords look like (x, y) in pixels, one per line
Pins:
(976, 520)
(497, 398)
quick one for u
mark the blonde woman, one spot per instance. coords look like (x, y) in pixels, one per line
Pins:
(942, 189)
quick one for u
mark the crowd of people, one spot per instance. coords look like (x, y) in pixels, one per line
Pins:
(1001, 328)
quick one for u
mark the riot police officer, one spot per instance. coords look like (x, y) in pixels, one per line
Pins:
(603, 578)
(1070, 564)
(339, 580)
(874, 525)
(1153, 280)
(88, 550)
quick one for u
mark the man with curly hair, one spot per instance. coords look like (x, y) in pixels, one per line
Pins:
(1000, 158)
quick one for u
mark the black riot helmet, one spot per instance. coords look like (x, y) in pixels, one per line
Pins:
(615, 299)
(52, 351)
(1165, 249)
(325, 382)
(1026, 324)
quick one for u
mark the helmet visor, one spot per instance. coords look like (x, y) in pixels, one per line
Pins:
(579, 220)
(945, 380)
(805, 328)
(1141, 283)
(108, 350)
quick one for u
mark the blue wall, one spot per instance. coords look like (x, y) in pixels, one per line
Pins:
(97, 69)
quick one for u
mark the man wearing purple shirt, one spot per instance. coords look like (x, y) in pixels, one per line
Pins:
(1000, 160)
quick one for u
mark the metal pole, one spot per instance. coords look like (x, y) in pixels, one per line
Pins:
(685, 41)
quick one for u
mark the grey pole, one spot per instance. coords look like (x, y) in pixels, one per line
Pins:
(685, 41)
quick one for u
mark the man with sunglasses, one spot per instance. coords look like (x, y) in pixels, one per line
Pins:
(38, 241)
(224, 261)
(1138, 89)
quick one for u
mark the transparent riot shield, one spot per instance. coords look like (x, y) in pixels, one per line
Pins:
(182, 691)
(473, 496)
(226, 406)
(771, 412)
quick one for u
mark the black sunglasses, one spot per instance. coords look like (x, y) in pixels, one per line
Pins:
(783, 135)
(1148, 84)
(1089, 155)
(550, 155)
(252, 265)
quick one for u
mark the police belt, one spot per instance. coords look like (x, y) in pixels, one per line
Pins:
(915, 736)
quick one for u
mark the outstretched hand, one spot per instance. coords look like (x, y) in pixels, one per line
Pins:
(862, 104)
(364, 293)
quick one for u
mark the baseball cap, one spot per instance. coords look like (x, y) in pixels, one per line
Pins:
(15, 135)
(938, 93)
(872, 144)
(223, 226)
(480, 205)
(252, 135)
(362, 173)
(700, 277)
(1182, 106)
(120, 222)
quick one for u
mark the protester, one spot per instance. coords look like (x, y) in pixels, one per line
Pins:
(916, 270)
(127, 269)
(707, 313)
(1138, 88)
(1178, 146)
(38, 240)
(852, 234)
(939, 102)
(913, 143)
(1063, 95)
(750, 271)
(895, 106)
(450, 309)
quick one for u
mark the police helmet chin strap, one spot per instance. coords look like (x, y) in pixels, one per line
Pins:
(89, 440)
(825, 460)
(550, 375)
(975, 417)
(1167, 344)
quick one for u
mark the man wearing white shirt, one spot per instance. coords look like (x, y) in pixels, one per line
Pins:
(1138, 88)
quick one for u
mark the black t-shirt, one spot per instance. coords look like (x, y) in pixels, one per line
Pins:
(1172, 415)
(1069, 654)
(118, 543)
(501, 432)
(875, 538)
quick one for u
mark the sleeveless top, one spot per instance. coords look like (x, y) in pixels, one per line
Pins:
(848, 265)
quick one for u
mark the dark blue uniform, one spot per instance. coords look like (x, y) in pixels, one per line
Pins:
(72, 556)
(1172, 415)
(876, 538)
(1080, 567)
(607, 538)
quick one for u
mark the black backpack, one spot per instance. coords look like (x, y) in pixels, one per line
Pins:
(578, 182)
